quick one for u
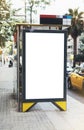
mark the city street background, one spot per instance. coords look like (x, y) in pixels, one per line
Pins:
(43, 115)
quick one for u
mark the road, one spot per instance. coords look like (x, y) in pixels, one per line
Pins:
(78, 95)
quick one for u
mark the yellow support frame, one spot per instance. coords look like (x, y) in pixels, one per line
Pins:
(62, 105)
(27, 105)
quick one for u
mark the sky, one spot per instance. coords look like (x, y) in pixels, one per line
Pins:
(59, 7)
(62, 6)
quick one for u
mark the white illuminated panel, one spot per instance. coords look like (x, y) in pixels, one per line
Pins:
(44, 65)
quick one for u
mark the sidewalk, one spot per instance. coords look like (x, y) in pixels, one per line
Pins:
(43, 116)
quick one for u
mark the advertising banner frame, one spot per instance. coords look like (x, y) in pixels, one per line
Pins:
(25, 65)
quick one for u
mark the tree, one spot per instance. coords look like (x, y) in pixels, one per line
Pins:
(7, 22)
(76, 27)
(32, 6)
(4, 15)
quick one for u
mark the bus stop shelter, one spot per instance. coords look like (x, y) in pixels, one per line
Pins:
(41, 66)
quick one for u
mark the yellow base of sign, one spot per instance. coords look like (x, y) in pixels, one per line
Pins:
(27, 106)
(60, 104)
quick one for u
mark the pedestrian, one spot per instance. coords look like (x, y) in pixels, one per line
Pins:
(10, 63)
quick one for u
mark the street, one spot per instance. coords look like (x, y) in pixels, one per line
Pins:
(75, 93)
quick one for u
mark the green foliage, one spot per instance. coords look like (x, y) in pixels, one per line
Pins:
(4, 16)
(4, 10)
(77, 24)
(7, 22)
(34, 4)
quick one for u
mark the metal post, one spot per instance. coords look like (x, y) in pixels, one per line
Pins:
(18, 61)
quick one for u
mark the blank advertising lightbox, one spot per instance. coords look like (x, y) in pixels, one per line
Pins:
(44, 65)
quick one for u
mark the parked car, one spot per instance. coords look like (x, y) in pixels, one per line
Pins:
(76, 78)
